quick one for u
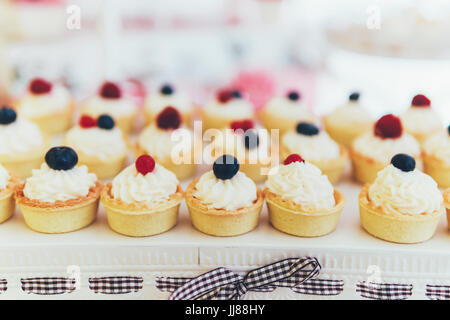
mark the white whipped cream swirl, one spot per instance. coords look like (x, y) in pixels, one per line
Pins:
(398, 192)
(438, 145)
(231, 194)
(303, 183)
(382, 150)
(97, 142)
(48, 185)
(157, 102)
(35, 105)
(292, 110)
(155, 187)
(121, 107)
(19, 137)
(164, 144)
(233, 109)
(421, 120)
(313, 148)
(4, 178)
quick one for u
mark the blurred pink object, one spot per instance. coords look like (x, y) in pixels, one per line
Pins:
(135, 89)
(257, 86)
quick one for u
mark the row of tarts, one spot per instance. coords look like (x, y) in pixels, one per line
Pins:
(101, 142)
(144, 199)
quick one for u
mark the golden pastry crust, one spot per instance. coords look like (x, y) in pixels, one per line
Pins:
(447, 198)
(438, 169)
(291, 205)
(94, 193)
(139, 207)
(10, 187)
(364, 200)
(192, 201)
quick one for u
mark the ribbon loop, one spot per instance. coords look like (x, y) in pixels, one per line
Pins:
(224, 284)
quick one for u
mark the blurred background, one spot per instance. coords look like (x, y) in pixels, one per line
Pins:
(388, 50)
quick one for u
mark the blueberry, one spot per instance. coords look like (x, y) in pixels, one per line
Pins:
(61, 158)
(251, 139)
(307, 129)
(403, 162)
(236, 94)
(448, 129)
(166, 89)
(105, 122)
(225, 167)
(293, 96)
(7, 115)
(354, 96)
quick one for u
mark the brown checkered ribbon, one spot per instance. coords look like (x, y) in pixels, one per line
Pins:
(3, 285)
(438, 292)
(116, 285)
(48, 285)
(224, 284)
(384, 291)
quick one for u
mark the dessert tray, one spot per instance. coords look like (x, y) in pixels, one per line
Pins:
(97, 263)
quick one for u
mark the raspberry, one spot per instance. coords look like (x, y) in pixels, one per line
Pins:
(145, 164)
(169, 118)
(224, 95)
(40, 86)
(244, 125)
(421, 101)
(110, 90)
(293, 158)
(388, 126)
(87, 122)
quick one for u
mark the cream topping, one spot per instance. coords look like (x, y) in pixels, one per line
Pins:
(20, 136)
(349, 114)
(231, 194)
(421, 120)
(398, 192)
(4, 177)
(382, 150)
(313, 148)
(283, 107)
(35, 105)
(233, 109)
(48, 185)
(97, 142)
(303, 183)
(154, 188)
(157, 102)
(438, 145)
(114, 107)
(163, 144)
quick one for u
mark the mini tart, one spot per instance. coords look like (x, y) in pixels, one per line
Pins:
(365, 169)
(220, 222)
(436, 168)
(211, 121)
(21, 165)
(56, 122)
(181, 170)
(291, 218)
(59, 216)
(140, 220)
(345, 134)
(273, 121)
(399, 228)
(7, 203)
(333, 168)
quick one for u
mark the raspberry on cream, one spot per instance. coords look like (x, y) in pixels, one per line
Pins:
(151, 188)
(302, 183)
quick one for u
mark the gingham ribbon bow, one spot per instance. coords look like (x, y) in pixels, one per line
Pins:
(224, 284)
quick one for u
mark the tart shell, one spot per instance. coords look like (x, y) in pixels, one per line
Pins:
(291, 218)
(447, 205)
(437, 169)
(345, 134)
(138, 220)
(7, 203)
(220, 222)
(59, 216)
